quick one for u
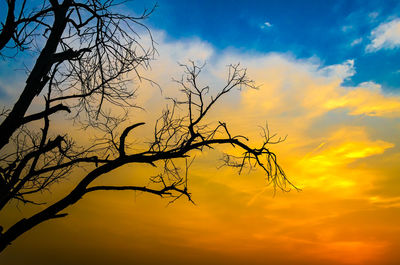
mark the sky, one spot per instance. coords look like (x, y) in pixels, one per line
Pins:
(329, 79)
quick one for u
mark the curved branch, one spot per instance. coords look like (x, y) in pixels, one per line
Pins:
(123, 136)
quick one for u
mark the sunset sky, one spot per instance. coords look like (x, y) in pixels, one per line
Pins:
(329, 79)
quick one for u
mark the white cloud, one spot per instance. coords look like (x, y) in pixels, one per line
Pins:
(342, 71)
(266, 25)
(385, 36)
(356, 42)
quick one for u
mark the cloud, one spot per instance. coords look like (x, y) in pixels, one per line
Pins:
(303, 87)
(302, 90)
(322, 224)
(332, 165)
(342, 71)
(293, 94)
(266, 25)
(356, 42)
(367, 99)
(385, 36)
(344, 146)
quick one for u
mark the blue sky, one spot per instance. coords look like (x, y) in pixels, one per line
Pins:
(331, 31)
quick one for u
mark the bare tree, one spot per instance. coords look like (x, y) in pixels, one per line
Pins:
(84, 50)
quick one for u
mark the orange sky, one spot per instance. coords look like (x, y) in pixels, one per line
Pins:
(342, 150)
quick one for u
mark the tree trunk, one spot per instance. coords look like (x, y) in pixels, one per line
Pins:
(37, 78)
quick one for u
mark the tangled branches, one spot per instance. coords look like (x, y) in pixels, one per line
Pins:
(84, 52)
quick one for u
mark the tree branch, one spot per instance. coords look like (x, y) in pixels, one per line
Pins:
(132, 188)
(69, 54)
(45, 113)
(9, 27)
(123, 136)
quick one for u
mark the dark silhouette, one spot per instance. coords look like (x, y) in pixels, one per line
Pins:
(80, 69)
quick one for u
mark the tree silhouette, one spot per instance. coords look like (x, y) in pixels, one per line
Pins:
(84, 51)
